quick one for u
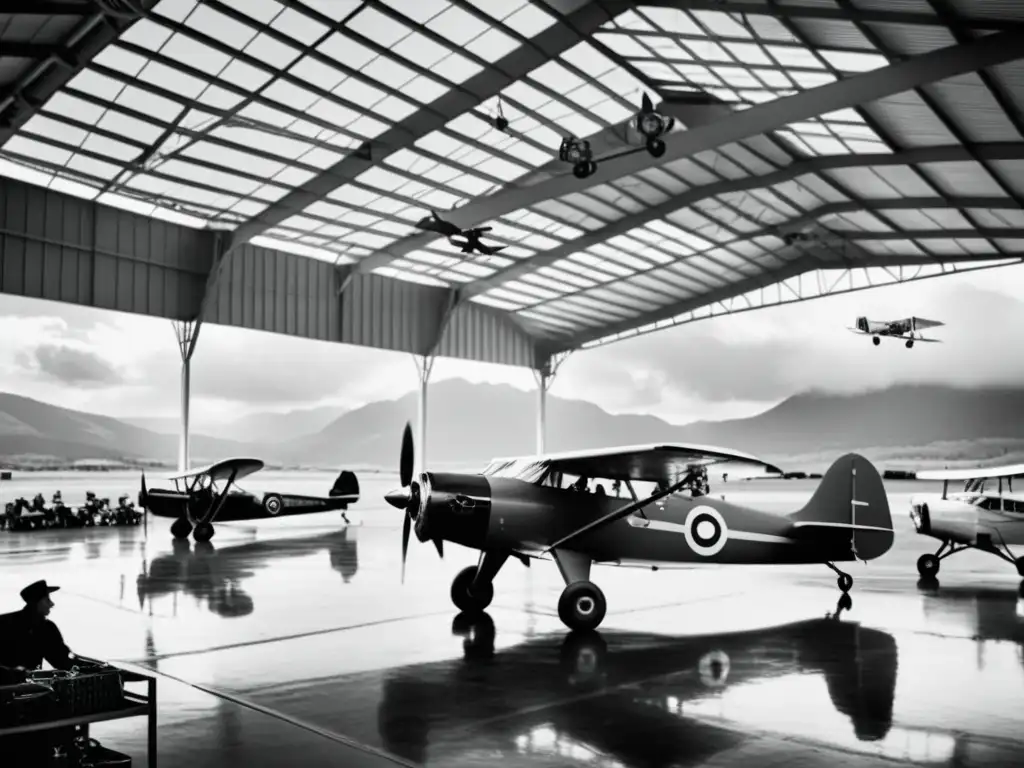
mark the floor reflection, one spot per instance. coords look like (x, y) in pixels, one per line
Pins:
(617, 698)
(215, 576)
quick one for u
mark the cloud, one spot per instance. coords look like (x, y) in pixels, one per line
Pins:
(68, 365)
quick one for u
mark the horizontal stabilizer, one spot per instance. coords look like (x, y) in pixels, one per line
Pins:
(807, 524)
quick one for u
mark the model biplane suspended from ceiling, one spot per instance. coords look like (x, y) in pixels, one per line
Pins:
(206, 494)
(470, 238)
(591, 507)
(900, 329)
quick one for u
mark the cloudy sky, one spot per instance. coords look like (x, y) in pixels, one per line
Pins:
(125, 365)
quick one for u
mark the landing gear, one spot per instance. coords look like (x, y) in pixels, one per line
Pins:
(656, 147)
(181, 528)
(582, 606)
(845, 580)
(467, 598)
(584, 169)
(928, 566)
(910, 343)
(203, 532)
(876, 341)
(1019, 562)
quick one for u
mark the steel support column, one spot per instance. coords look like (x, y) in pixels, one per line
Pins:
(544, 377)
(424, 366)
(187, 334)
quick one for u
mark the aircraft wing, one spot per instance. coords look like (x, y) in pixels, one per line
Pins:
(653, 463)
(222, 470)
(920, 323)
(973, 473)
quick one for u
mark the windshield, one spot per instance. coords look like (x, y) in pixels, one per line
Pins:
(527, 470)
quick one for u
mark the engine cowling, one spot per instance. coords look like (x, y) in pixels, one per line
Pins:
(455, 507)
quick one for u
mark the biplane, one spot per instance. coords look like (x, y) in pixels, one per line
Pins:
(470, 237)
(653, 687)
(642, 506)
(981, 516)
(900, 329)
(210, 493)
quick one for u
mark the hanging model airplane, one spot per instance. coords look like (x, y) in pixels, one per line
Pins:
(540, 507)
(900, 329)
(471, 237)
(980, 517)
(203, 495)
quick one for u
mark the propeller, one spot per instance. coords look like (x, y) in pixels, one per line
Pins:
(143, 493)
(408, 496)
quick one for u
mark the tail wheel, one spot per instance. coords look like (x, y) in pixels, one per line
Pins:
(928, 566)
(910, 344)
(876, 341)
(273, 503)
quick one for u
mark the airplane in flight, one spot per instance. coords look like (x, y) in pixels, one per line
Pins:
(586, 507)
(900, 329)
(980, 517)
(210, 493)
(470, 237)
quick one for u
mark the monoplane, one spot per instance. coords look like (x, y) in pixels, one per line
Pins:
(470, 237)
(210, 493)
(591, 507)
(900, 329)
(980, 517)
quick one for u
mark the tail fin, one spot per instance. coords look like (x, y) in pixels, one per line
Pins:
(345, 485)
(849, 511)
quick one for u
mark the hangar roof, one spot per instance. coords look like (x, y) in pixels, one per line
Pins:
(823, 134)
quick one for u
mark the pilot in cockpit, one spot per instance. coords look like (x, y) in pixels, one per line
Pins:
(580, 485)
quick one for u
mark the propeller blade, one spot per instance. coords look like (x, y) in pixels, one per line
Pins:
(405, 466)
(406, 526)
(646, 105)
(143, 493)
(439, 546)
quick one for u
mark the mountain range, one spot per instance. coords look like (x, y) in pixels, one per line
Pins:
(467, 424)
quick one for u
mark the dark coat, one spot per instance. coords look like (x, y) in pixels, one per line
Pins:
(26, 639)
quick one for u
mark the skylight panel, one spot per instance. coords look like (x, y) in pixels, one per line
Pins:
(378, 27)
(529, 21)
(624, 45)
(227, 30)
(457, 25)
(456, 68)
(850, 61)
(493, 45)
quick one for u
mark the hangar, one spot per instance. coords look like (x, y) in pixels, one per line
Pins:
(263, 163)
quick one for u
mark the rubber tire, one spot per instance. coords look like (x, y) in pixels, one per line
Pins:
(575, 596)
(876, 341)
(181, 528)
(910, 344)
(928, 566)
(465, 601)
(845, 582)
(1019, 562)
(270, 500)
(581, 170)
(203, 532)
(656, 147)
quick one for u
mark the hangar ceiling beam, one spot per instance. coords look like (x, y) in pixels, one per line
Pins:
(946, 154)
(800, 265)
(548, 45)
(868, 15)
(760, 119)
(19, 102)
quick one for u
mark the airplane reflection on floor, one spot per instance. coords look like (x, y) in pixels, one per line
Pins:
(615, 695)
(214, 576)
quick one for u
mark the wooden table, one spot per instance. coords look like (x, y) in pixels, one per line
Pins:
(135, 705)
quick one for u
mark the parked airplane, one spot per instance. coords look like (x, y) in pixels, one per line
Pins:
(197, 501)
(471, 237)
(900, 329)
(979, 517)
(558, 506)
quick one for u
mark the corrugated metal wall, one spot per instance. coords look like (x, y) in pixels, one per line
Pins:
(63, 248)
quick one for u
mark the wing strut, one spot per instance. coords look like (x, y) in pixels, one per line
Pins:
(617, 514)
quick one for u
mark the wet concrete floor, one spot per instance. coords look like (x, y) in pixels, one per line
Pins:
(293, 643)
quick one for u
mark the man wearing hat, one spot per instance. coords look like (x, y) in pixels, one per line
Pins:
(27, 636)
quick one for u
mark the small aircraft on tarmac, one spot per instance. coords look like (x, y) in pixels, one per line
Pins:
(471, 237)
(900, 329)
(197, 501)
(558, 506)
(979, 517)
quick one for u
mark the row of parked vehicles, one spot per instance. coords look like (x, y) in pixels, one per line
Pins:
(22, 515)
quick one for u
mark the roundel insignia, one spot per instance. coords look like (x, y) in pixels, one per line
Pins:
(705, 531)
(713, 669)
